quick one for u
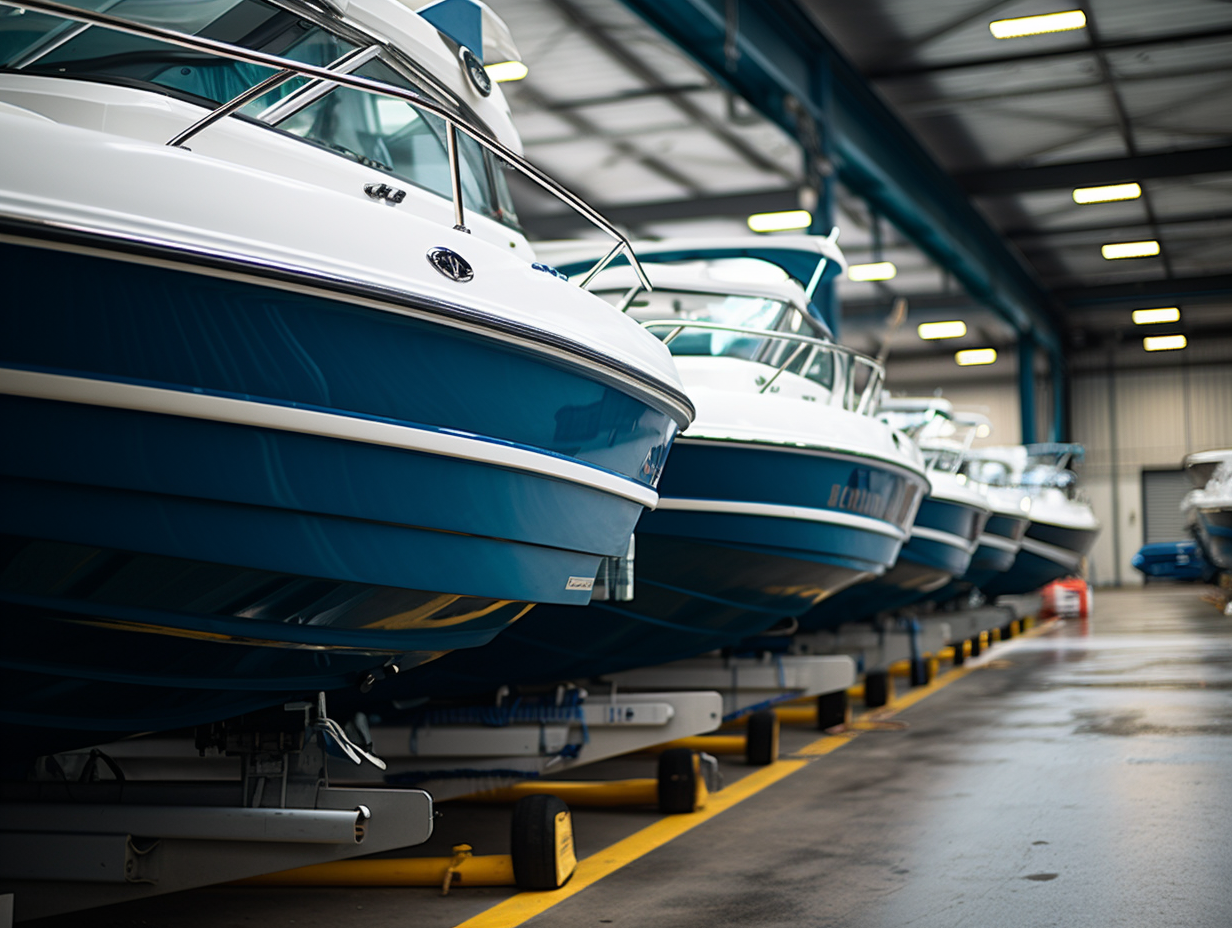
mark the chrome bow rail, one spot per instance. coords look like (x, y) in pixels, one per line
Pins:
(857, 399)
(335, 75)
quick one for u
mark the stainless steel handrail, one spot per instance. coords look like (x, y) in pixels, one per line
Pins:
(868, 394)
(226, 50)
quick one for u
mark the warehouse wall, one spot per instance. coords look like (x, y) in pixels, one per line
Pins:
(1137, 419)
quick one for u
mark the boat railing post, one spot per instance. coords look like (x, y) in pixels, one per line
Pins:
(603, 262)
(232, 105)
(782, 367)
(455, 176)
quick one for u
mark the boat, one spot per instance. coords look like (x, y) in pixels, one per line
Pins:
(1171, 560)
(290, 403)
(784, 490)
(944, 535)
(1062, 529)
(1208, 507)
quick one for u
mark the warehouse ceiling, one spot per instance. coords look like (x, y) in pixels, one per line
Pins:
(1142, 93)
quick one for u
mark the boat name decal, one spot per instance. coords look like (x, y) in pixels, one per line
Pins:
(855, 499)
(451, 264)
(580, 583)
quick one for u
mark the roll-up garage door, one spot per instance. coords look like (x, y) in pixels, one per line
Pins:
(1162, 494)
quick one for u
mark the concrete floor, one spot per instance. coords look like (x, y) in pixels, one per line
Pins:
(1079, 778)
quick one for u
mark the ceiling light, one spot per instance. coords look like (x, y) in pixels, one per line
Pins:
(881, 270)
(954, 329)
(781, 222)
(1151, 316)
(974, 356)
(507, 71)
(1129, 250)
(1035, 25)
(1107, 194)
(1164, 342)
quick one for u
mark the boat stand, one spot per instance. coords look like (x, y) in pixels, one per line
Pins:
(86, 833)
(451, 754)
(748, 684)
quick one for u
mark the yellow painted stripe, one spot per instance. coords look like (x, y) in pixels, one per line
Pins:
(518, 909)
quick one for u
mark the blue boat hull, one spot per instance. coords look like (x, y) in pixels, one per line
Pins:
(163, 569)
(924, 565)
(1213, 532)
(1172, 560)
(705, 578)
(1048, 552)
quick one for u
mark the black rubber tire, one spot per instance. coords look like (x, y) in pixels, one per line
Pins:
(876, 688)
(921, 672)
(831, 709)
(533, 842)
(1007, 631)
(677, 781)
(960, 654)
(761, 745)
(975, 646)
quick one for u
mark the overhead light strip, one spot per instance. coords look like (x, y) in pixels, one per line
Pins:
(781, 221)
(879, 270)
(973, 356)
(1115, 250)
(931, 330)
(1153, 316)
(1037, 25)
(1109, 193)
(1164, 342)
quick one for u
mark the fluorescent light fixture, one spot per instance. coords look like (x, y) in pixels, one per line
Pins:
(954, 329)
(1107, 194)
(1164, 342)
(781, 222)
(1152, 316)
(881, 270)
(974, 356)
(1129, 250)
(1035, 25)
(507, 71)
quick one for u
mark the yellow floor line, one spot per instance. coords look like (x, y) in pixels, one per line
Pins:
(519, 909)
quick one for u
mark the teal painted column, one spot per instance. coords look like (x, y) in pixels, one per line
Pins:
(815, 135)
(1026, 385)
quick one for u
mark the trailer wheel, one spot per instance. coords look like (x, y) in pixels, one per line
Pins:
(831, 709)
(542, 843)
(977, 645)
(921, 672)
(678, 781)
(876, 688)
(761, 745)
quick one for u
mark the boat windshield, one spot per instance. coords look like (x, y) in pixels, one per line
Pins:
(383, 133)
(724, 309)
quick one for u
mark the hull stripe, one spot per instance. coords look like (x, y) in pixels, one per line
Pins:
(996, 541)
(945, 538)
(116, 395)
(1067, 559)
(779, 511)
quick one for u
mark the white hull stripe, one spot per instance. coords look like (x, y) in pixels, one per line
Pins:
(996, 541)
(141, 398)
(1062, 556)
(779, 511)
(946, 538)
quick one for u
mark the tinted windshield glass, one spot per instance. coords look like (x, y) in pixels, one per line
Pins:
(380, 132)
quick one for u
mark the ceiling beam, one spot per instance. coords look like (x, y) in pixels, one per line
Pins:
(1183, 163)
(1121, 225)
(1210, 289)
(901, 72)
(633, 215)
(778, 59)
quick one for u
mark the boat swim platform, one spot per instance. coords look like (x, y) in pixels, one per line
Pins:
(1080, 773)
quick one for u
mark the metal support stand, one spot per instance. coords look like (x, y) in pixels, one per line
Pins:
(748, 684)
(68, 843)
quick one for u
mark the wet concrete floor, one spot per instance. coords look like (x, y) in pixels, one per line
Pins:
(1079, 778)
